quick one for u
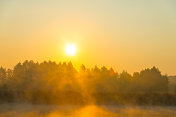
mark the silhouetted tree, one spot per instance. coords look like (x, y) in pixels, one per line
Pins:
(50, 82)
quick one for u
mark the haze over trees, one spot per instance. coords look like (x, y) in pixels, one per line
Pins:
(52, 83)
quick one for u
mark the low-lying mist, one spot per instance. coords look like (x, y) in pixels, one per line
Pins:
(49, 89)
(28, 110)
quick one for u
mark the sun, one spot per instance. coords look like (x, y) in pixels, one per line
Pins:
(70, 49)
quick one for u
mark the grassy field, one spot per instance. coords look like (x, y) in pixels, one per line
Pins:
(28, 110)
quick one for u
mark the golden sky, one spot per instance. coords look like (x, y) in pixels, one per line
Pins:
(124, 34)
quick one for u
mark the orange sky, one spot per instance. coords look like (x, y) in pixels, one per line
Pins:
(126, 35)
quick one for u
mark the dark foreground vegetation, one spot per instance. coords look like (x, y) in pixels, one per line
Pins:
(51, 83)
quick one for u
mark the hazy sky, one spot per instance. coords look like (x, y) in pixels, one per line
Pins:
(124, 34)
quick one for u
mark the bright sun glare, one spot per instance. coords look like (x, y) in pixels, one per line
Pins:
(70, 49)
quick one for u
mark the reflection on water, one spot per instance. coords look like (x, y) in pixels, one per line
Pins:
(27, 110)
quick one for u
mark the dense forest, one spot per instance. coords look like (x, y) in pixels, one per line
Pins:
(52, 83)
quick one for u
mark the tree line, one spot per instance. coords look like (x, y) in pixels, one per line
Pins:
(60, 83)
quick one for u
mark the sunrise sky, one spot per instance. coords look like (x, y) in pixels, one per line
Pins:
(124, 34)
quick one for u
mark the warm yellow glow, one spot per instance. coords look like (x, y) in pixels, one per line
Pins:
(70, 49)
